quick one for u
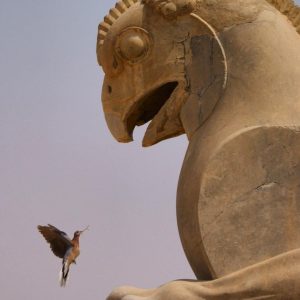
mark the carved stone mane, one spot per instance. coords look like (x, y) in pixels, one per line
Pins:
(290, 9)
(114, 14)
(286, 7)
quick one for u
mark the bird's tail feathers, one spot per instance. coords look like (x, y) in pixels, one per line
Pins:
(64, 272)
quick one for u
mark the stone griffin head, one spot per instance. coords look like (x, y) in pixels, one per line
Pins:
(143, 49)
(157, 54)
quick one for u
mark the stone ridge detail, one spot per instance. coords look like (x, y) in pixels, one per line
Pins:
(114, 14)
(173, 8)
(290, 9)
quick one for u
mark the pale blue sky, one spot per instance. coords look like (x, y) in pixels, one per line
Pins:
(60, 165)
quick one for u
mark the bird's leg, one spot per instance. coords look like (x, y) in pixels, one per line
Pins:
(128, 292)
(276, 278)
(175, 290)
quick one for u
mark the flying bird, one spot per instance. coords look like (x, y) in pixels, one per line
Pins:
(63, 247)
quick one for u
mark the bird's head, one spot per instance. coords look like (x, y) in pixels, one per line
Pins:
(77, 233)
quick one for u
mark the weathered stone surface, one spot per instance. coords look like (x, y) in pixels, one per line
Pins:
(227, 74)
(248, 207)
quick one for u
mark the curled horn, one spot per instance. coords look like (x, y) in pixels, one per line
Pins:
(120, 8)
(172, 8)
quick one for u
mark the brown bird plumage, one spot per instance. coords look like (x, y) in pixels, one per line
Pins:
(63, 247)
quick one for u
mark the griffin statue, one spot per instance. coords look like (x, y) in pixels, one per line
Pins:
(227, 74)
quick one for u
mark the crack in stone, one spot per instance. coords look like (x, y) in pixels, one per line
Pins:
(266, 185)
(240, 199)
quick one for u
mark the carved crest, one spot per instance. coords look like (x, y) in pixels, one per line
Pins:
(168, 8)
(173, 8)
(290, 9)
(114, 13)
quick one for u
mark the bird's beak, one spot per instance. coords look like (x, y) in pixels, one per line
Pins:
(82, 231)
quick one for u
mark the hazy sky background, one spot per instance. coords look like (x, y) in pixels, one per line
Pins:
(60, 165)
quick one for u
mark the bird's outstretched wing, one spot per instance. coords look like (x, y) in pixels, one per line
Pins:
(58, 240)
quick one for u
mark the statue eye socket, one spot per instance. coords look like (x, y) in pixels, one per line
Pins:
(133, 44)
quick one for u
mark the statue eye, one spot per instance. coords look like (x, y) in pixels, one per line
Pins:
(133, 44)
